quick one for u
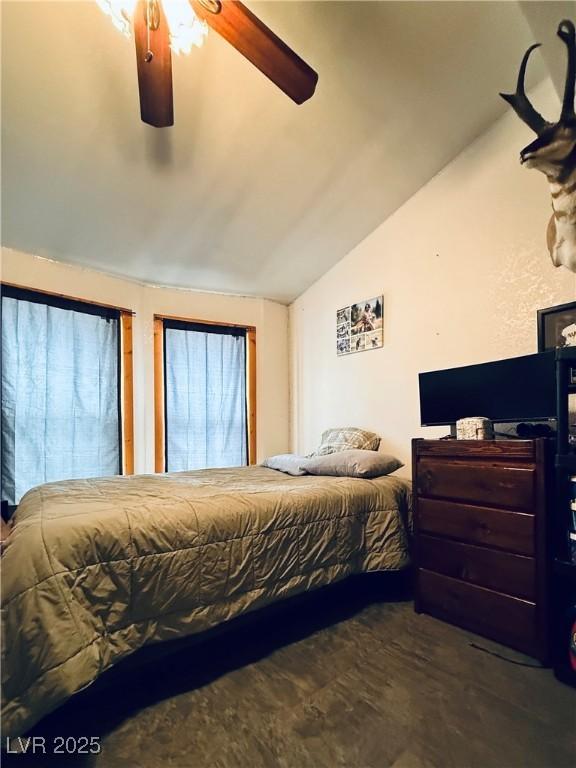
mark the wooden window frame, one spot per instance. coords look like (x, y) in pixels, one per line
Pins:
(127, 379)
(159, 424)
(126, 369)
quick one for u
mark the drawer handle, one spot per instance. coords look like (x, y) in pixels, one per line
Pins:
(484, 528)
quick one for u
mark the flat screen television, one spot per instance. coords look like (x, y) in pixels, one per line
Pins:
(516, 389)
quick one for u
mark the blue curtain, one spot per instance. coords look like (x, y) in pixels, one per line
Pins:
(205, 399)
(60, 407)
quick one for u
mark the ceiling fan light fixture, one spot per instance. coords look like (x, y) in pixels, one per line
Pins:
(120, 13)
(186, 29)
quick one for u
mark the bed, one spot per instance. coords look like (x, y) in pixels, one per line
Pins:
(96, 569)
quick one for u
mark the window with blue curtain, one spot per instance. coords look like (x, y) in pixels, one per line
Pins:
(60, 391)
(204, 396)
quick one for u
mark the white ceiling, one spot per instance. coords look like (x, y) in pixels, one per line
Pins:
(247, 193)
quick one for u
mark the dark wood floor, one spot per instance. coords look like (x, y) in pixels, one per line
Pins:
(341, 684)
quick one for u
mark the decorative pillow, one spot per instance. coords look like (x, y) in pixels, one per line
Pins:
(355, 463)
(289, 463)
(345, 439)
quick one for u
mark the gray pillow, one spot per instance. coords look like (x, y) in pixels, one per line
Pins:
(289, 463)
(356, 463)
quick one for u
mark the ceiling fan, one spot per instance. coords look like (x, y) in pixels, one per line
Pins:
(163, 26)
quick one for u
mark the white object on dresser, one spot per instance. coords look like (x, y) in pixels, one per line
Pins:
(474, 428)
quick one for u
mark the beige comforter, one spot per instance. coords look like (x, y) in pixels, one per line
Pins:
(95, 569)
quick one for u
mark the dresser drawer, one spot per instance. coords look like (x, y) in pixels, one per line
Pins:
(506, 619)
(505, 572)
(475, 481)
(512, 531)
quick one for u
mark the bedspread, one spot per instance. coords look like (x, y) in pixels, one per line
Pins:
(95, 569)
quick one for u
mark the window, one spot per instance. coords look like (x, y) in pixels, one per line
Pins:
(205, 395)
(64, 380)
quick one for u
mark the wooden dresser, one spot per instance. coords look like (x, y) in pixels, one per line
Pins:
(480, 537)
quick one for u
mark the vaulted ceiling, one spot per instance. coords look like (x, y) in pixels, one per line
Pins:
(248, 192)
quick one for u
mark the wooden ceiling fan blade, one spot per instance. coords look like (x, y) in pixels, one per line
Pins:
(154, 62)
(252, 38)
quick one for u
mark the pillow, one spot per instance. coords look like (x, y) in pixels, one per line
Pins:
(289, 463)
(364, 464)
(345, 439)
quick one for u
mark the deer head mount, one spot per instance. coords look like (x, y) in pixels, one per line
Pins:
(554, 152)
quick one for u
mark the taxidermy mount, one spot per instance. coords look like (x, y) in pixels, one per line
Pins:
(554, 153)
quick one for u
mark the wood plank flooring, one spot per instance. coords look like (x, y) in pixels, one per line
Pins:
(338, 684)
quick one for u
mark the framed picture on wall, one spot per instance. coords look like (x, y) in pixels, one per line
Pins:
(557, 327)
(359, 327)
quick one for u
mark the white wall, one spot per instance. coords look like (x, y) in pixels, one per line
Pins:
(270, 319)
(463, 267)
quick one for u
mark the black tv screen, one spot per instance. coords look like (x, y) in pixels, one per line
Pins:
(516, 389)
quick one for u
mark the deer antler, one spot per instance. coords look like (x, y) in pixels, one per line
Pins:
(567, 34)
(519, 101)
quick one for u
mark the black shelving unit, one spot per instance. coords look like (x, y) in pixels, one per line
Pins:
(563, 576)
(565, 455)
